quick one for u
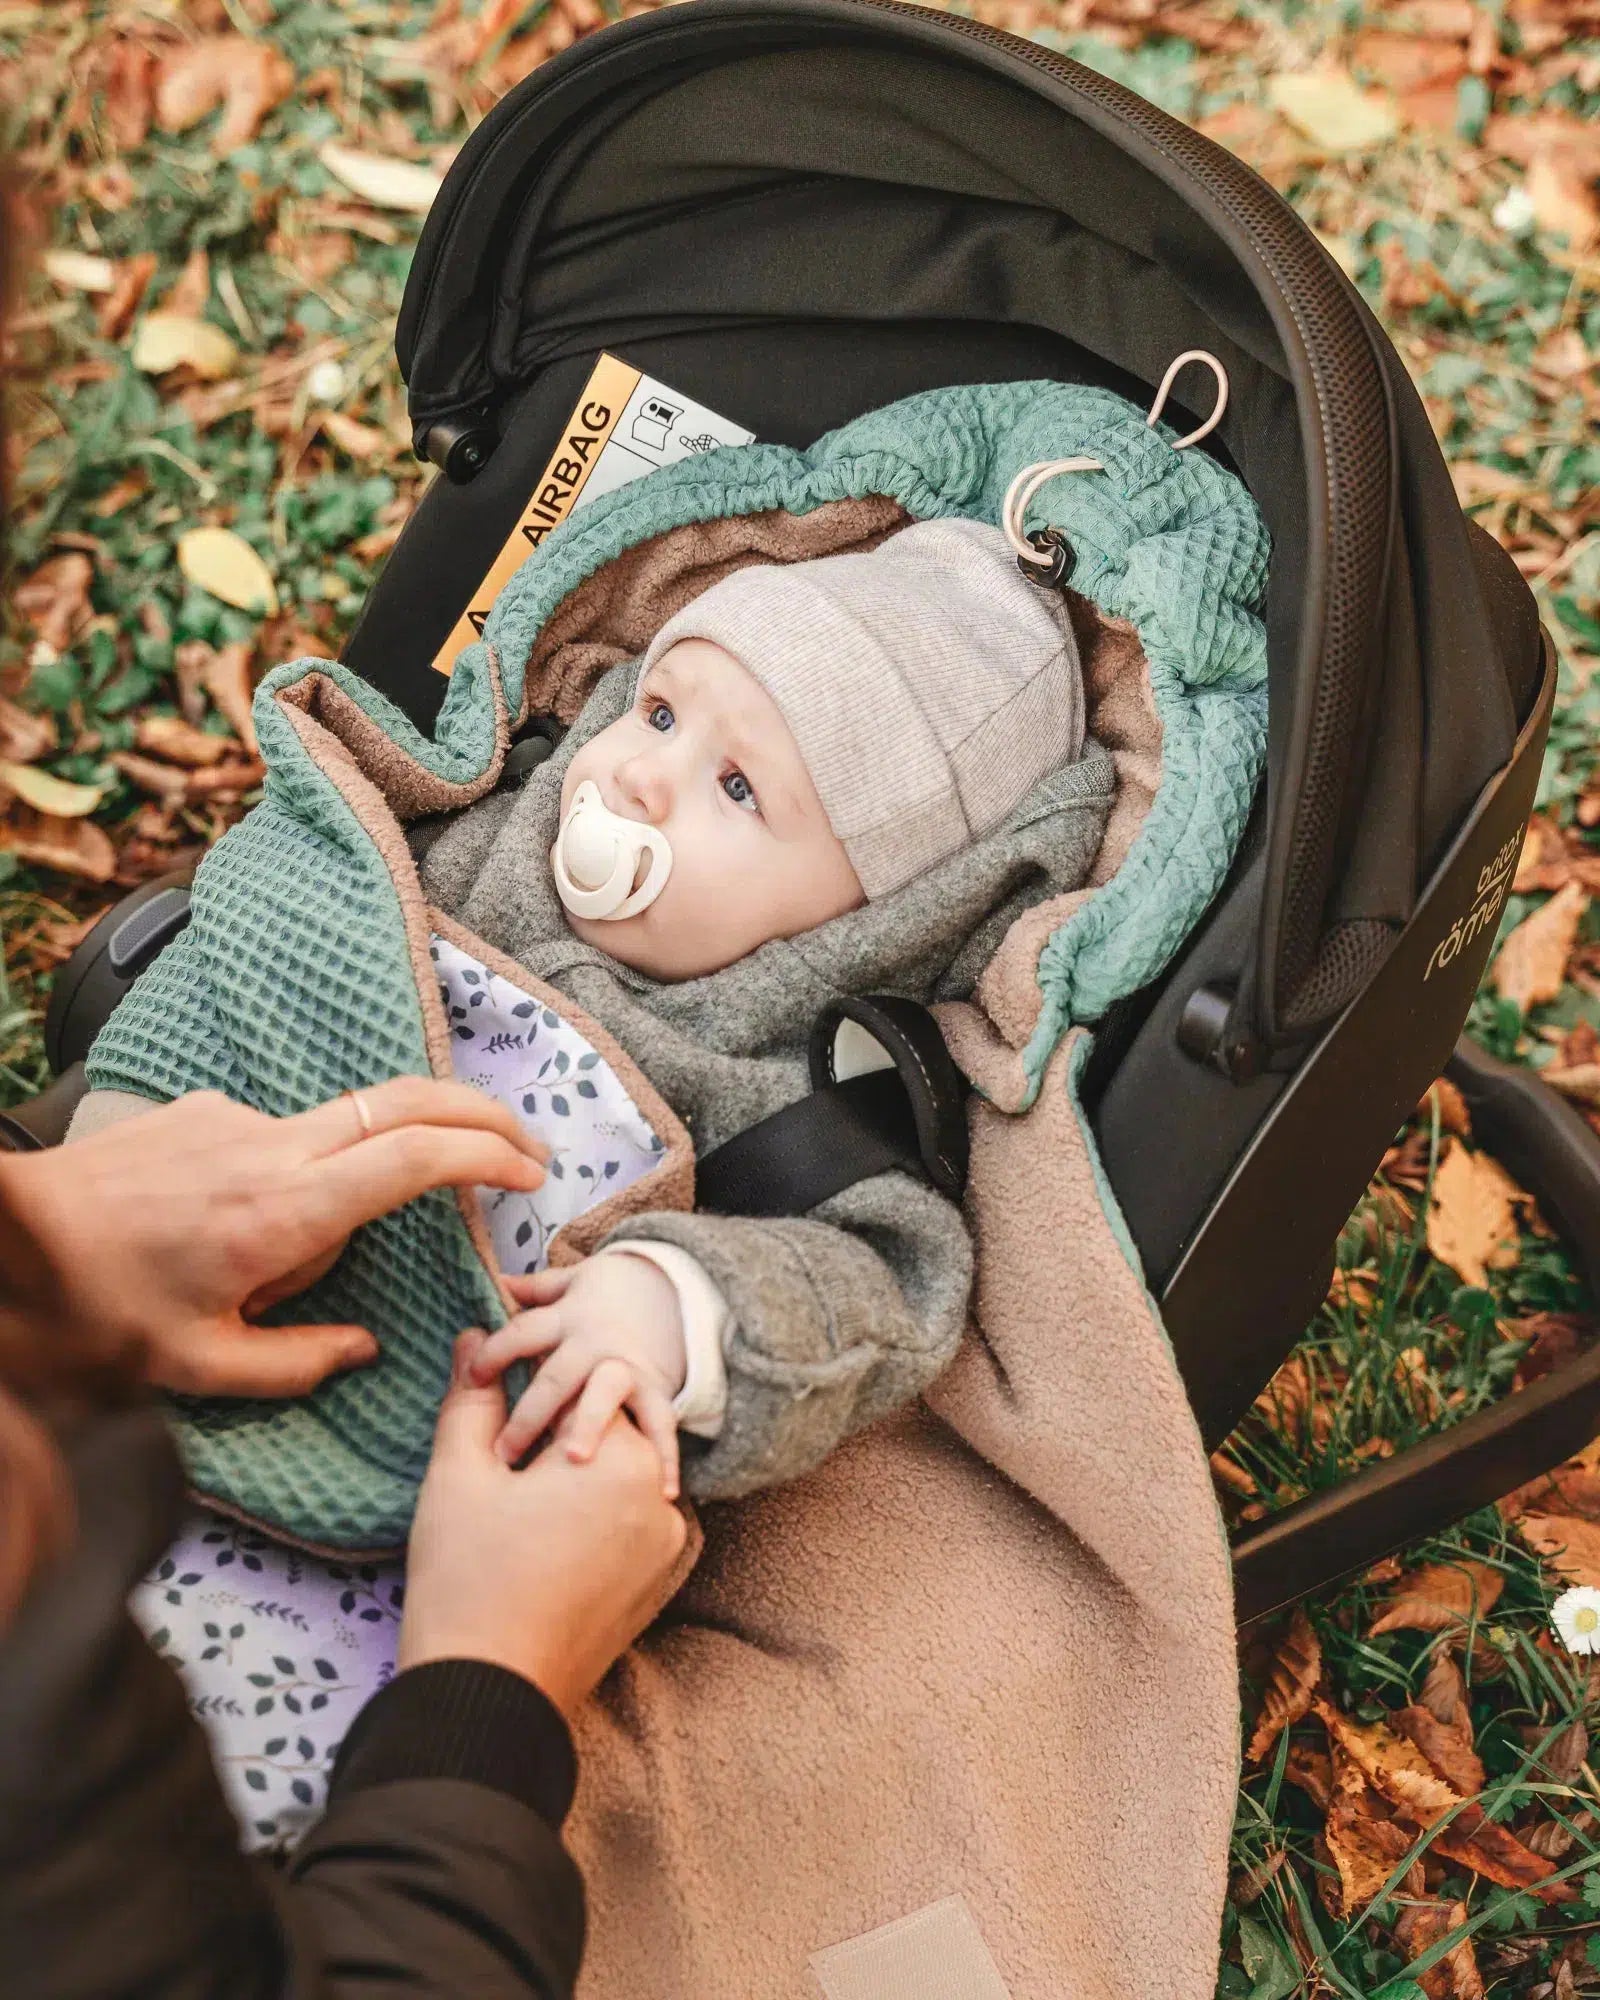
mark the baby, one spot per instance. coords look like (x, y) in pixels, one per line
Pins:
(837, 776)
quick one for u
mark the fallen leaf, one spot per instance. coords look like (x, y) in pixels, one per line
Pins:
(1554, 1339)
(69, 846)
(48, 793)
(1330, 109)
(1563, 198)
(1312, 1771)
(191, 289)
(1472, 1224)
(1532, 964)
(362, 441)
(1524, 135)
(1365, 1850)
(381, 179)
(24, 736)
(1418, 1928)
(226, 678)
(166, 340)
(1408, 62)
(126, 294)
(1448, 1746)
(127, 77)
(247, 78)
(179, 742)
(77, 271)
(53, 602)
(1394, 1767)
(1569, 1545)
(1475, 482)
(1579, 1082)
(1437, 1597)
(1296, 1669)
(1573, 1488)
(224, 563)
(1453, 1113)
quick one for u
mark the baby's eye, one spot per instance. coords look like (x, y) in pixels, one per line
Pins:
(739, 789)
(659, 716)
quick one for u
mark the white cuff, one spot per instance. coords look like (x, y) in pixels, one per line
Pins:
(702, 1402)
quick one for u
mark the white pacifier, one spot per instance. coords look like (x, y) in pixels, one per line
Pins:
(596, 859)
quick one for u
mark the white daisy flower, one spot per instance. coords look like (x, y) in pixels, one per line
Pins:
(1576, 1617)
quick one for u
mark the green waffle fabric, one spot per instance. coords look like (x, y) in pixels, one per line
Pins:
(294, 982)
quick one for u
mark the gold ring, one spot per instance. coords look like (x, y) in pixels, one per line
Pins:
(361, 1111)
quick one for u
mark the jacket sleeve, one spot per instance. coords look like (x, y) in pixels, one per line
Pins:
(838, 1318)
(438, 1869)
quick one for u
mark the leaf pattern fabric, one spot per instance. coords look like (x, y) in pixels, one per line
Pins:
(510, 1045)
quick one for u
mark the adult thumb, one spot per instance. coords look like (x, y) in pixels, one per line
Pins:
(472, 1414)
(246, 1360)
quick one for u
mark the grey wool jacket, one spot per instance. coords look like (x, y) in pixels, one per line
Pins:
(840, 1316)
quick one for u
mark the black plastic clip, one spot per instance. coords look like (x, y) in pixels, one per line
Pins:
(1055, 574)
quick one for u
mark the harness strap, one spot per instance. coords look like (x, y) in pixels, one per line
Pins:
(885, 1095)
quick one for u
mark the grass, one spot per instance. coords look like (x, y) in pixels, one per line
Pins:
(302, 450)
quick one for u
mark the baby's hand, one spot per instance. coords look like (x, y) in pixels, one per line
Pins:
(611, 1337)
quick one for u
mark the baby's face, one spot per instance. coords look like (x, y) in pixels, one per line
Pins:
(705, 757)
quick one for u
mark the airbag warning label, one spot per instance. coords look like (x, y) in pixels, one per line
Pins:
(623, 425)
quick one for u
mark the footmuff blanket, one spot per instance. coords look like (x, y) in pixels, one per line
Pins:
(872, 1741)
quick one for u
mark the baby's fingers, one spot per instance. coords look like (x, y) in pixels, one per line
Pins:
(546, 1396)
(539, 1288)
(520, 1339)
(608, 1389)
(654, 1413)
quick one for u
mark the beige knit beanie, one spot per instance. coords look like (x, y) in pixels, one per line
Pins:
(928, 684)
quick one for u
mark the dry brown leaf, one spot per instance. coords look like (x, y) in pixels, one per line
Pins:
(1532, 964)
(1365, 1851)
(1453, 1113)
(1448, 1746)
(362, 441)
(1394, 1767)
(1408, 62)
(127, 79)
(53, 602)
(1563, 198)
(180, 742)
(1312, 1771)
(226, 678)
(1568, 1544)
(1439, 1596)
(1572, 1489)
(126, 295)
(1475, 481)
(24, 736)
(247, 78)
(1472, 1224)
(69, 846)
(190, 291)
(1580, 1082)
(1524, 135)
(1544, 846)
(1296, 1669)
(1418, 1928)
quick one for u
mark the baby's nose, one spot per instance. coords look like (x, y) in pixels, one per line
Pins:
(646, 787)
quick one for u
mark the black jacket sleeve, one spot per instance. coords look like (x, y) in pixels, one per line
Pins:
(437, 1870)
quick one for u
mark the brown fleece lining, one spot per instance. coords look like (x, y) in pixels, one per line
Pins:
(409, 790)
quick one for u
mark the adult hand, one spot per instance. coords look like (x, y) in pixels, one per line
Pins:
(164, 1233)
(552, 1571)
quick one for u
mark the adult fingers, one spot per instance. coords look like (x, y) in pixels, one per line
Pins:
(344, 1189)
(230, 1358)
(403, 1101)
(520, 1339)
(541, 1402)
(471, 1414)
(611, 1385)
(539, 1288)
(660, 1426)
